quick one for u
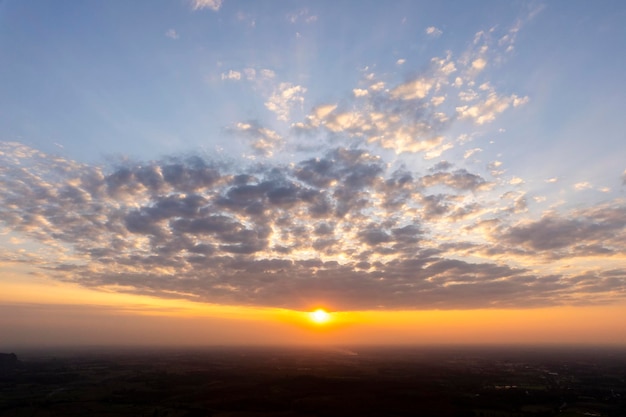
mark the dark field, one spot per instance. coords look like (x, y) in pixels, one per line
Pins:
(238, 382)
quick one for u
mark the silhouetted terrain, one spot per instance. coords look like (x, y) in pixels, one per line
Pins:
(237, 382)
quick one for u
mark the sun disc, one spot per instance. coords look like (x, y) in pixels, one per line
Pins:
(319, 316)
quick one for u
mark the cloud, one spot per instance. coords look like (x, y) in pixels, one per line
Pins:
(479, 64)
(263, 140)
(172, 34)
(411, 90)
(302, 15)
(486, 110)
(585, 185)
(284, 97)
(433, 32)
(470, 152)
(214, 5)
(231, 75)
(413, 116)
(342, 226)
(586, 232)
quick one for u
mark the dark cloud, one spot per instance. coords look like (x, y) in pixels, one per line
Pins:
(441, 166)
(342, 228)
(585, 232)
(459, 180)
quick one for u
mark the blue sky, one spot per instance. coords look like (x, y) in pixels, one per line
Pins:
(390, 155)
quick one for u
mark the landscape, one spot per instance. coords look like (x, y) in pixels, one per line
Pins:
(247, 208)
(459, 381)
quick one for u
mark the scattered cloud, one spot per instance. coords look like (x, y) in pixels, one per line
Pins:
(412, 90)
(584, 185)
(231, 75)
(303, 15)
(486, 110)
(172, 34)
(479, 64)
(214, 5)
(284, 98)
(262, 75)
(437, 100)
(263, 141)
(470, 152)
(433, 32)
(413, 115)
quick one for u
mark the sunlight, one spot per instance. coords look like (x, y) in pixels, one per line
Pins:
(319, 316)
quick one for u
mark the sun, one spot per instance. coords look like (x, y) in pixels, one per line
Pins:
(319, 316)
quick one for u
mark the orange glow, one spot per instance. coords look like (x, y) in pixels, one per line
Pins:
(37, 309)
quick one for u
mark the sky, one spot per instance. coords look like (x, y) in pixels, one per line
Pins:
(210, 171)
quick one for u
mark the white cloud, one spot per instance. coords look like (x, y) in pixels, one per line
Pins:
(516, 181)
(284, 98)
(468, 95)
(250, 73)
(359, 92)
(519, 101)
(584, 185)
(231, 75)
(438, 100)
(172, 34)
(444, 66)
(318, 115)
(303, 15)
(380, 85)
(470, 152)
(411, 90)
(479, 64)
(400, 61)
(206, 4)
(487, 110)
(433, 31)
(264, 140)
(267, 73)
(437, 151)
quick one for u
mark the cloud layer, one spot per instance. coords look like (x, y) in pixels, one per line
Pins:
(342, 229)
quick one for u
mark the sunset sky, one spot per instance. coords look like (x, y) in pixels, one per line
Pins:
(209, 171)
